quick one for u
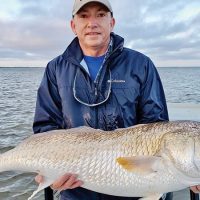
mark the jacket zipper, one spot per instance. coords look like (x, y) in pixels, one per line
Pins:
(95, 90)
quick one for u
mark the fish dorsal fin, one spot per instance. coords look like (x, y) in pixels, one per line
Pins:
(141, 164)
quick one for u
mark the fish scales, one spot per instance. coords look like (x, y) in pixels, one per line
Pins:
(139, 161)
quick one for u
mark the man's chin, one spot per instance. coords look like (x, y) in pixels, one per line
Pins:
(94, 44)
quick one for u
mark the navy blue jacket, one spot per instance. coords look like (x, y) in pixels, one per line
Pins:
(136, 95)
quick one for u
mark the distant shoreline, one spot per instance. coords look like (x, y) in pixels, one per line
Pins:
(156, 67)
(21, 67)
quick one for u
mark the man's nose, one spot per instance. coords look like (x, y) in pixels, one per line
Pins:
(92, 23)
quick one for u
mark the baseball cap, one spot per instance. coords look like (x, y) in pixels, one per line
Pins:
(78, 4)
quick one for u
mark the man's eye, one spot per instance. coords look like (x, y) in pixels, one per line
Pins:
(83, 16)
(101, 15)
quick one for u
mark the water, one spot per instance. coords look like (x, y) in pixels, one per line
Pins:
(18, 88)
(182, 85)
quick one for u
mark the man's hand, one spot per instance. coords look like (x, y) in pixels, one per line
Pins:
(195, 189)
(67, 181)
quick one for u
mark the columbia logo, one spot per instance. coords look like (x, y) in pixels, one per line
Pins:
(116, 81)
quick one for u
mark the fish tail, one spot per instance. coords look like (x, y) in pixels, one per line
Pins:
(5, 162)
(1, 163)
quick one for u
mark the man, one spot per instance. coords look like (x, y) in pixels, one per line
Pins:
(99, 83)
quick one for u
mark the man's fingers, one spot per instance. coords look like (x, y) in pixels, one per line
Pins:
(67, 181)
(195, 189)
(76, 184)
(59, 182)
(71, 183)
(39, 179)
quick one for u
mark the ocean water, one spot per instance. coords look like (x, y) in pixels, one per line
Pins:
(18, 87)
(181, 85)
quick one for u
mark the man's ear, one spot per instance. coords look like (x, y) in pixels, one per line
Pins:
(73, 26)
(112, 23)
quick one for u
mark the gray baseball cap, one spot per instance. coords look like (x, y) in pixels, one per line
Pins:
(78, 4)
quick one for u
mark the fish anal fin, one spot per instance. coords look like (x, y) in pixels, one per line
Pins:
(47, 182)
(141, 164)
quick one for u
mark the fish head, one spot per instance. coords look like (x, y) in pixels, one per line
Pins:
(181, 149)
(197, 151)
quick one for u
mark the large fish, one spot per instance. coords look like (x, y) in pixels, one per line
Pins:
(140, 161)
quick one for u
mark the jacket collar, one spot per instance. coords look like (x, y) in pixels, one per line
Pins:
(74, 53)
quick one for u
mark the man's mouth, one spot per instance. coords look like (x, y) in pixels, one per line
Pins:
(92, 33)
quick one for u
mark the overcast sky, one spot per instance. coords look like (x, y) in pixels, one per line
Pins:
(33, 32)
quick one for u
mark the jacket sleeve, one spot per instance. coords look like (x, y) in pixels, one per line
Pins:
(48, 112)
(152, 103)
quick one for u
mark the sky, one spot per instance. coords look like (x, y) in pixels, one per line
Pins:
(33, 32)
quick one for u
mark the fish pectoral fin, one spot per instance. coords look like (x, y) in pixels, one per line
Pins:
(152, 197)
(47, 182)
(141, 164)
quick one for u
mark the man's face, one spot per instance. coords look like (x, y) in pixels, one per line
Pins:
(93, 25)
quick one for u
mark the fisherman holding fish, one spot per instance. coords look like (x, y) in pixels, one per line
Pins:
(97, 82)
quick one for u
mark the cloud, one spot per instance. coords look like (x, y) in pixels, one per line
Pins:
(37, 31)
(161, 30)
